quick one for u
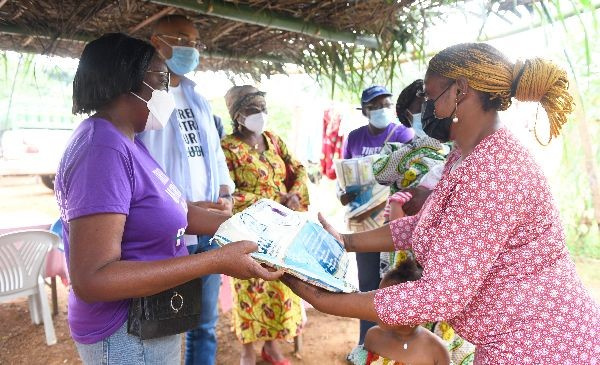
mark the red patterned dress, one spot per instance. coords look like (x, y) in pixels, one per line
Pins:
(495, 263)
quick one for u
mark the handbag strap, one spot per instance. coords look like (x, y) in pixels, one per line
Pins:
(276, 146)
(289, 172)
(391, 133)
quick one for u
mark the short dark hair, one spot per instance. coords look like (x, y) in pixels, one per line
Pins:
(488, 102)
(406, 97)
(407, 270)
(171, 18)
(109, 66)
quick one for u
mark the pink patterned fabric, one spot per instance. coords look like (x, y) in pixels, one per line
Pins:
(495, 263)
(56, 265)
(400, 197)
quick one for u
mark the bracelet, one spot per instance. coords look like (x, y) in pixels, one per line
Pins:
(346, 238)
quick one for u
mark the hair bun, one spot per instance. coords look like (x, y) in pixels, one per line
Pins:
(533, 78)
(539, 80)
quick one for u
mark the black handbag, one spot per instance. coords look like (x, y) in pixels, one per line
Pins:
(170, 312)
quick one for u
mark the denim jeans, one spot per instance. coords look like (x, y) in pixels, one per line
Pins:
(368, 279)
(123, 348)
(201, 342)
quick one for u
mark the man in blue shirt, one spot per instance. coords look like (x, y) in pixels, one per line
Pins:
(189, 150)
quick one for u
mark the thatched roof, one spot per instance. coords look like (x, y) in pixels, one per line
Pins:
(61, 27)
(332, 38)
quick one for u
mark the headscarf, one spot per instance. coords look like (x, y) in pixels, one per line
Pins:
(238, 97)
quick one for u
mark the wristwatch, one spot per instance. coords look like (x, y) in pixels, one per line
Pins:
(226, 196)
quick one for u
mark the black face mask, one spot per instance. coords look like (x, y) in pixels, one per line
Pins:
(433, 127)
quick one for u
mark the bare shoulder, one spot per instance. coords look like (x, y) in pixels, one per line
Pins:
(437, 347)
(380, 342)
(373, 338)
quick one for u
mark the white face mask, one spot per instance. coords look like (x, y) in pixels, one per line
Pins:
(381, 118)
(161, 106)
(255, 122)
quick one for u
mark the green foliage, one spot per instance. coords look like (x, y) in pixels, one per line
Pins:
(583, 233)
(36, 92)
(348, 68)
(574, 195)
(575, 183)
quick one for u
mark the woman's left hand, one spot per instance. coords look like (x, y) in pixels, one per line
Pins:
(306, 291)
(354, 305)
(223, 206)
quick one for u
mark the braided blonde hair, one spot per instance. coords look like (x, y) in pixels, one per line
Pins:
(489, 71)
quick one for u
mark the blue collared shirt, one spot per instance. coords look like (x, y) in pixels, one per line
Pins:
(167, 148)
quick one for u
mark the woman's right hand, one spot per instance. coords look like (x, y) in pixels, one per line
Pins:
(347, 198)
(235, 260)
(332, 231)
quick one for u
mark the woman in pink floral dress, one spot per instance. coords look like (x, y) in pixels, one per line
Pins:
(489, 237)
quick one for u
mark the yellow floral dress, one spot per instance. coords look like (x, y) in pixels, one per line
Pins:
(264, 310)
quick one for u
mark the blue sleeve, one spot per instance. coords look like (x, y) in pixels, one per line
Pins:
(223, 173)
(219, 126)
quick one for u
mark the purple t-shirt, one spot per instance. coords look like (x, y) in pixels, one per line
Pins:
(103, 171)
(361, 142)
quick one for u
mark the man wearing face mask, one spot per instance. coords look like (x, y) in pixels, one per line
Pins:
(189, 150)
(378, 107)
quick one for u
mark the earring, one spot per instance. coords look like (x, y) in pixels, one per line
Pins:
(455, 118)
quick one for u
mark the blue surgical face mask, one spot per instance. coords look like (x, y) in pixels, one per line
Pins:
(416, 124)
(183, 59)
(381, 118)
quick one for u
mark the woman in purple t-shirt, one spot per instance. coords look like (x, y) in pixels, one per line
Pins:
(378, 107)
(123, 218)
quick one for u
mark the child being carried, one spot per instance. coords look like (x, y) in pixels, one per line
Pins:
(399, 345)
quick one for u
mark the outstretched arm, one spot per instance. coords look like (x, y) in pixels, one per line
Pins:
(99, 274)
(463, 245)
(389, 237)
(353, 305)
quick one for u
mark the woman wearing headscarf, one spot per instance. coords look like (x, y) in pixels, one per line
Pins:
(491, 243)
(262, 167)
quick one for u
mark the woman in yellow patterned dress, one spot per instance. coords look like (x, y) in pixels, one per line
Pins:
(262, 167)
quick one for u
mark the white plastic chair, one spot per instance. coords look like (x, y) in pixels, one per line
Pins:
(22, 259)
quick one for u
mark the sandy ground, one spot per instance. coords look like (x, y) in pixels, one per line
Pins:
(22, 342)
(24, 201)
